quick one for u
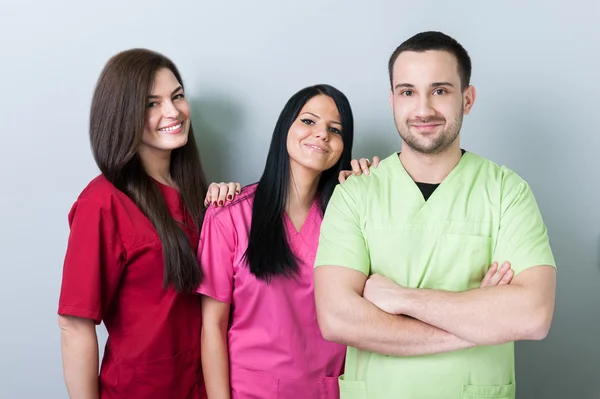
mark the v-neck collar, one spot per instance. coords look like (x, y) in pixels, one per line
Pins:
(291, 230)
(416, 194)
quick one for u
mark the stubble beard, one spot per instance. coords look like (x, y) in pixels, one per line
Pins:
(441, 142)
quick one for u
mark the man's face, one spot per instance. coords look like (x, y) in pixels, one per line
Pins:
(427, 100)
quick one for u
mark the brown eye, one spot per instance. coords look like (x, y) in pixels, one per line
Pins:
(307, 121)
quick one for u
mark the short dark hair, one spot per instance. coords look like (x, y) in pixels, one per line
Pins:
(430, 41)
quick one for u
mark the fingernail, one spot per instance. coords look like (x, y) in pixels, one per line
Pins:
(215, 203)
(237, 191)
(366, 172)
(220, 203)
(229, 197)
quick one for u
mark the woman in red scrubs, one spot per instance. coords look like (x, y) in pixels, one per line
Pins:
(130, 260)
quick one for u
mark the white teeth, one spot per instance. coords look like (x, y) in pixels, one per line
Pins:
(170, 129)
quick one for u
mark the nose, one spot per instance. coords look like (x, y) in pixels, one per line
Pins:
(321, 132)
(424, 108)
(169, 110)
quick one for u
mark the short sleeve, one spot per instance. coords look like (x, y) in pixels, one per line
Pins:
(522, 237)
(341, 241)
(216, 255)
(93, 262)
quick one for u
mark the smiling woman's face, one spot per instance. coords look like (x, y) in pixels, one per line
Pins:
(167, 115)
(314, 140)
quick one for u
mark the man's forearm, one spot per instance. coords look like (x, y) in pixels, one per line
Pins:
(362, 325)
(485, 316)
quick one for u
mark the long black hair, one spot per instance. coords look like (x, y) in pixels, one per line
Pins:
(268, 253)
(117, 121)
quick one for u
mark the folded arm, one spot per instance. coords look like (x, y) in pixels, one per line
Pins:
(346, 317)
(522, 310)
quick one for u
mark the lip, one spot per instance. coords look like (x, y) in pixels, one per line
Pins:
(316, 148)
(175, 131)
(426, 126)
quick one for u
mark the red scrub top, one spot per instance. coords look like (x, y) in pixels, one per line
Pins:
(113, 272)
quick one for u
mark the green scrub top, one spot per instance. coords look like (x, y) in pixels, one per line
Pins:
(381, 223)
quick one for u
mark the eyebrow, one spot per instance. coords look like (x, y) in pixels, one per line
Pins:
(437, 84)
(434, 84)
(174, 91)
(318, 117)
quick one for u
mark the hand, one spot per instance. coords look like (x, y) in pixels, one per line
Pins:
(498, 276)
(358, 167)
(384, 293)
(218, 193)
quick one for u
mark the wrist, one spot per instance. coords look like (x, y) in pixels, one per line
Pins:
(406, 300)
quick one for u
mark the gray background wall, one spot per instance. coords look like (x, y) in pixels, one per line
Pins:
(536, 69)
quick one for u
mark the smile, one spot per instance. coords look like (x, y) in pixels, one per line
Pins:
(171, 128)
(316, 149)
(427, 126)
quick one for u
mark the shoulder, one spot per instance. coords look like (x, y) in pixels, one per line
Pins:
(101, 200)
(500, 175)
(100, 191)
(232, 210)
(359, 186)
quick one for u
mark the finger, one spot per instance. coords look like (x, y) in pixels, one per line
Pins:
(499, 274)
(507, 277)
(355, 167)
(231, 191)
(212, 193)
(364, 165)
(238, 188)
(375, 161)
(343, 175)
(222, 194)
(491, 271)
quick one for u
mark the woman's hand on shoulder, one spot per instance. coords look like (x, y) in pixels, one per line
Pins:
(219, 193)
(358, 168)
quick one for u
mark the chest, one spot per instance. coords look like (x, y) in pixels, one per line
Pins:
(444, 243)
(297, 291)
(144, 264)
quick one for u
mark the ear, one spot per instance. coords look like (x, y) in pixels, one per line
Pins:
(392, 98)
(469, 99)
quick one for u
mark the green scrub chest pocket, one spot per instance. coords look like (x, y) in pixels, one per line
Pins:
(352, 389)
(460, 261)
(488, 392)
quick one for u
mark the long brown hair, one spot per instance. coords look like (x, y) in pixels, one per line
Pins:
(117, 122)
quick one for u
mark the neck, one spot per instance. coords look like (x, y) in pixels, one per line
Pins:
(302, 188)
(157, 165)
(430, 168)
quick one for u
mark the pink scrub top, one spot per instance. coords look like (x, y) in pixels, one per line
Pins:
(276, 349)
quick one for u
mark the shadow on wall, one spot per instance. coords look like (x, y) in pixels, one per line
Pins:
(216, 119)
(375, 137)
(565, 364)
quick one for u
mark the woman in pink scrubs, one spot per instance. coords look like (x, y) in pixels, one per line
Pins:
(260, 337)
(131, 257)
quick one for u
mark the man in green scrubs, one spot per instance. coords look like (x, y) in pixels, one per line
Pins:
(403, 250)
